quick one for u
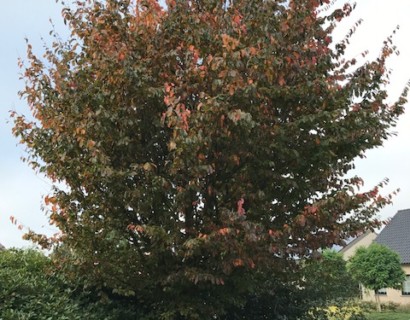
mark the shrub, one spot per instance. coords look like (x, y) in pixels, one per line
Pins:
(31, 289)
(390, 306)
(403, 308)
(347, 311)
(370, 306)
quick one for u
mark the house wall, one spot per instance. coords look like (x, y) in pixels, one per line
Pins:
(364, 241)
(392, 295)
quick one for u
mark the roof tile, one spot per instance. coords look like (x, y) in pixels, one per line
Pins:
(396, 235)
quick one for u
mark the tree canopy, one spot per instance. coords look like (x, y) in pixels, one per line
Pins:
(203, 147)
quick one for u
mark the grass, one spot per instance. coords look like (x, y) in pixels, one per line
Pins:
(389, 315)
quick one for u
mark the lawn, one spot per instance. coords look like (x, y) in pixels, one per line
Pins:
(389, 316)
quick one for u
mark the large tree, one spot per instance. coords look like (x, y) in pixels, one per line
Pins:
(202, 145)
(377, 267)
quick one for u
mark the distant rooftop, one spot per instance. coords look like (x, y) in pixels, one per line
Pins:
(2, 247)
(352, 241)
(396, 235)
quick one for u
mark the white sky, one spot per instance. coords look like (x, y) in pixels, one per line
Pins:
(21, 190)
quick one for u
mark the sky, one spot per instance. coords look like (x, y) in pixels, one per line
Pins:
(22, 190)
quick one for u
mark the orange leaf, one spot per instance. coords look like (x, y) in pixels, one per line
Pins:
(282, 81)
(238, 262)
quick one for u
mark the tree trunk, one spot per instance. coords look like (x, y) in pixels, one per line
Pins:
(377, 297)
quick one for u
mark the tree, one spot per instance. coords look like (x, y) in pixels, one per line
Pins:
(202, 147)
(377, 267)
(327, 279)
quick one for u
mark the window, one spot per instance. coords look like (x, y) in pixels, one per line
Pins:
(406, 286)
(382, 291)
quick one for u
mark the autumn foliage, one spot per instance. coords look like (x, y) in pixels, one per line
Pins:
(203, 146)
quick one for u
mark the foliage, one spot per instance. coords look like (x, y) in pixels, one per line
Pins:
(377, 267)
(404, 308)
(349, 311)
(31, 290)
(390, 306)
(327, 279)
(371, 307)
(202, 146)
(273, 300)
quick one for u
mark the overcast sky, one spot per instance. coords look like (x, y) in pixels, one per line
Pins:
(21, 190)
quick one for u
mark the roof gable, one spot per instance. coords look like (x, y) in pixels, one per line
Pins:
(396, 235)
(353, 241)
(364, 240)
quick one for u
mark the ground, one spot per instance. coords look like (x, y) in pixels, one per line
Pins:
(391, 315)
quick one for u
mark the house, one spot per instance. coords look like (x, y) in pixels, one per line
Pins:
(364, 240)
(396, 236)
(2, 248)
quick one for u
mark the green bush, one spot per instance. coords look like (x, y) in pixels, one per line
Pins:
(31, 289)
(327, 279)
(370, 306)
(390, 306)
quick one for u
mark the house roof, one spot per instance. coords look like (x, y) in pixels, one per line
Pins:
(2, 247)
(396, 235)
(353, 241)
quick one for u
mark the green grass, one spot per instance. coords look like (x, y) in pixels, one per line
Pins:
(389, 315)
